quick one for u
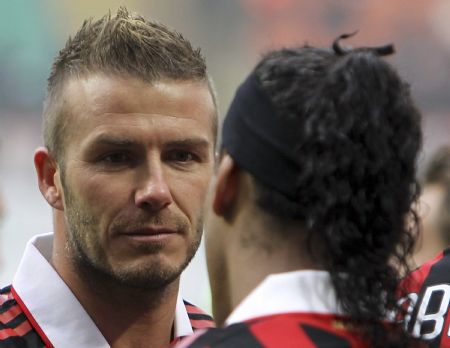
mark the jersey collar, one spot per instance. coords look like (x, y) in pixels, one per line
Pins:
(299, 291)
(55, 308)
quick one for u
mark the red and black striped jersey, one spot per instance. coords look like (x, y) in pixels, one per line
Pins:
(19, 330)
(15, 329)
(198, 318)
(306, 330)
(425, 294)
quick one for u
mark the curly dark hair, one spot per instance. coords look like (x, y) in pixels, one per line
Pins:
(359, 134)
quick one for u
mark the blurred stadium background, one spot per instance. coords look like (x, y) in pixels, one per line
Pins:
(232, 34)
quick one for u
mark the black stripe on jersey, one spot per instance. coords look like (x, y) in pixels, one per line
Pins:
(233, 336)
(5, 290)
(187, 303)
(6, 306)
(14, 322)
(322, 338)
(198, 316)
(30, 340)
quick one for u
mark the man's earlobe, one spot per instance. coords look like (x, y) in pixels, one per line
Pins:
(48, 178)
(226, 188)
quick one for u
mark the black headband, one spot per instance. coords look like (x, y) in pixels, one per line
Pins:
(259, 140)
(262, 142)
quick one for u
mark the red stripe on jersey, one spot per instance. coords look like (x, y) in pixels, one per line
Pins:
(10, 314)
(273, 328)
(198, 318)
(287, 335)
(19, 331)
(193, 309)
(31, 319)
(201, 324)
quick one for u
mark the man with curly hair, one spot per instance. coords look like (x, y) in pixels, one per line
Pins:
(307, 208)
(129, 131)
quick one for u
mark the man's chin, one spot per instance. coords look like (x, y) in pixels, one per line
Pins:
(147, 279)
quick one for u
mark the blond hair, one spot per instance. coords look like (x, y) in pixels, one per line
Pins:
(125, 45)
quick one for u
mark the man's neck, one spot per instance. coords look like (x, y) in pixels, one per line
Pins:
(134, 318)
(126, 316)
(264, 248)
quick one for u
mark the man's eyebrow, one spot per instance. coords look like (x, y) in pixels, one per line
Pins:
(191, 142)
(113, 141)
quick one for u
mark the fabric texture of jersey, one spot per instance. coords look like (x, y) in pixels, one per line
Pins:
(283, 330)
(16, 330)
(39, 310)
(295, 309)
(425, 295)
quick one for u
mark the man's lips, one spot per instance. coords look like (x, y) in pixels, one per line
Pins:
(148, 232)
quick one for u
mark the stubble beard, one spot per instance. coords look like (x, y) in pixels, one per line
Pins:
(89, 259)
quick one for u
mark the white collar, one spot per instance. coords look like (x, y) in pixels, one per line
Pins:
(56, 309)
(300, 291)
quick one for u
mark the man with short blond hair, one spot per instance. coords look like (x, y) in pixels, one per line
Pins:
(129, 131)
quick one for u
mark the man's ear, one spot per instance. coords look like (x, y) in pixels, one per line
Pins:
(226, 188)
(48, 178)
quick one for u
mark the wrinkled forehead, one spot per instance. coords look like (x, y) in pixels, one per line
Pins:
(100, 94)
(120, 94)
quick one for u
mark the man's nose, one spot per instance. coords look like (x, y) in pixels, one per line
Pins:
(153, 192)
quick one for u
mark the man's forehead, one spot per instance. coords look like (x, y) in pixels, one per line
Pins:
(99, 104)
(143, 126)
(100, 94)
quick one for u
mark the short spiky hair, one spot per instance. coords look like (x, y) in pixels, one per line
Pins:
(125, 45)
